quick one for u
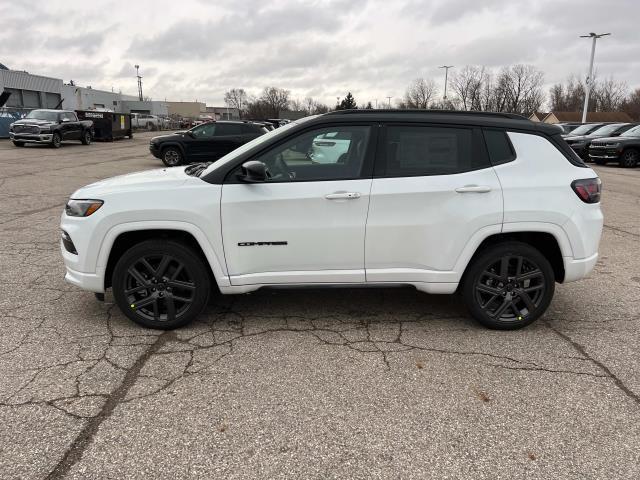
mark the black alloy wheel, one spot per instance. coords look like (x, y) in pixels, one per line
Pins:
(509, 286)
(172, 157)
(56, 140)
(630, 158)
(161, 284)
(86, 138)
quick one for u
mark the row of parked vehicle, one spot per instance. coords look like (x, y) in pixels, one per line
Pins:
(208, 141)
(605, 142)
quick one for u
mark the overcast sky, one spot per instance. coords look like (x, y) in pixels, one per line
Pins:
(198, 49)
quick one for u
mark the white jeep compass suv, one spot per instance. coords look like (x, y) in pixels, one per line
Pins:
(490, 205)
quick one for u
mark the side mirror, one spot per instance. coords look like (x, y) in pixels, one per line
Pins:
(64, 120)
(616, 134)
(190, 134)
(253, 171)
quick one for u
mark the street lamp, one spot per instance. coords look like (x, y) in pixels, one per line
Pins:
(446, 77)
(139, 82)
(594, 37)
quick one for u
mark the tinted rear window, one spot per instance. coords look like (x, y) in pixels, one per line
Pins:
(228, 129)
(429, 150)
(499, 147)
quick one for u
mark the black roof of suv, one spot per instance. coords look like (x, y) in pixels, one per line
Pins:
(457, 117)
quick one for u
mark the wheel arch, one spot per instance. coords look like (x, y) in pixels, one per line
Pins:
(123, 237)
(164, 146)
(543, 241)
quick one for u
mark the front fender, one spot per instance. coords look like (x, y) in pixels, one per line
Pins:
(217, 263)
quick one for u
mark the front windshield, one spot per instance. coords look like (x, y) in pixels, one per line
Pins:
(43, 115)
(585, 129)
(256, 141)
(633, 132)
(606, 130)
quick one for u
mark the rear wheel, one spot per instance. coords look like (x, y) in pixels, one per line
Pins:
(172, 157)
(86, 138)
(508, 286)
(630, 158)
(18, 144)
(161, 284)
(56, 140)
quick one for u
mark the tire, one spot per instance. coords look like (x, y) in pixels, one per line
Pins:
(630, 158)
(485, 283)
(18, 144)
(173, 275)
(172, 157)
(56, 140)
(86, 138)
(600, 161)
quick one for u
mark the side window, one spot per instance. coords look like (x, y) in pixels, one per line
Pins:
(499, 147)
(206, 130)
(250, 129)
(429, 150)
(228, 129)
(332, 153)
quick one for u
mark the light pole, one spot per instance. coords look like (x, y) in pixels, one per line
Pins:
(594, 37)
(446, 77)
(139, 82)
(389, 102)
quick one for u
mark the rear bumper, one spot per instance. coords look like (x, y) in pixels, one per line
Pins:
(31, 137)
(575, 269)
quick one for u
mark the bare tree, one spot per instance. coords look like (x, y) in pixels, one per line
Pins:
(236, 98)
(312, 107)
(275, 99)
(419, 94)
(631, 105)
(519, 89)
(467, 86)
(610, 95)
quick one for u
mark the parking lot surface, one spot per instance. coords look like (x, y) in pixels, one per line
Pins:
(358, 383)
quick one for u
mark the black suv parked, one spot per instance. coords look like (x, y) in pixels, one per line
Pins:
(624, 149)
(580, 143)
(203, 143)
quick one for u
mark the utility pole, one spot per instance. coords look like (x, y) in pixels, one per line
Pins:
(594, 37)
(376, 103)
(446, 78)
(389, 101)
(139, 82)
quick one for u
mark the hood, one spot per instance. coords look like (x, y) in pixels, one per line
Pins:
(171, 136)
(577, 138)
(33, 121)
(151, 180)
(619, 139)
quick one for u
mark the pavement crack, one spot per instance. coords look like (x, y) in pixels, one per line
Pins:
(582, 351)
(84, 439)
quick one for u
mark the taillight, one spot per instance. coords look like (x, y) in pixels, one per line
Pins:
(588, 189)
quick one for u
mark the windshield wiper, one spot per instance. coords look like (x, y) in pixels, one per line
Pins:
(197, 169)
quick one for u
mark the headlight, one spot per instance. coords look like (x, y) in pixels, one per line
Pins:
(82, 208)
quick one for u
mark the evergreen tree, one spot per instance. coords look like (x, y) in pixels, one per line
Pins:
(347, 103)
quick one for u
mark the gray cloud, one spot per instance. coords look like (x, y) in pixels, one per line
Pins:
(198, 48)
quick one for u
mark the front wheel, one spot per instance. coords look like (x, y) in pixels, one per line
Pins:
(86, 138)
(161, 284)
(172, 157)
(56, 140)
(630, 158)
(508, 286)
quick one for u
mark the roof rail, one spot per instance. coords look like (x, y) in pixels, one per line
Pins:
(513, 116)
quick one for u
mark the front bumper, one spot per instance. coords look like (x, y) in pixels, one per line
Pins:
(31, 137)
(155, 150)
(93, 282)
(606, 153)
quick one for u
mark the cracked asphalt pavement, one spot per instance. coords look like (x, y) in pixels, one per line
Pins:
(358, 383)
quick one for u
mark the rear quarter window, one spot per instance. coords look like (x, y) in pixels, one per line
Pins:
(499, 147)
